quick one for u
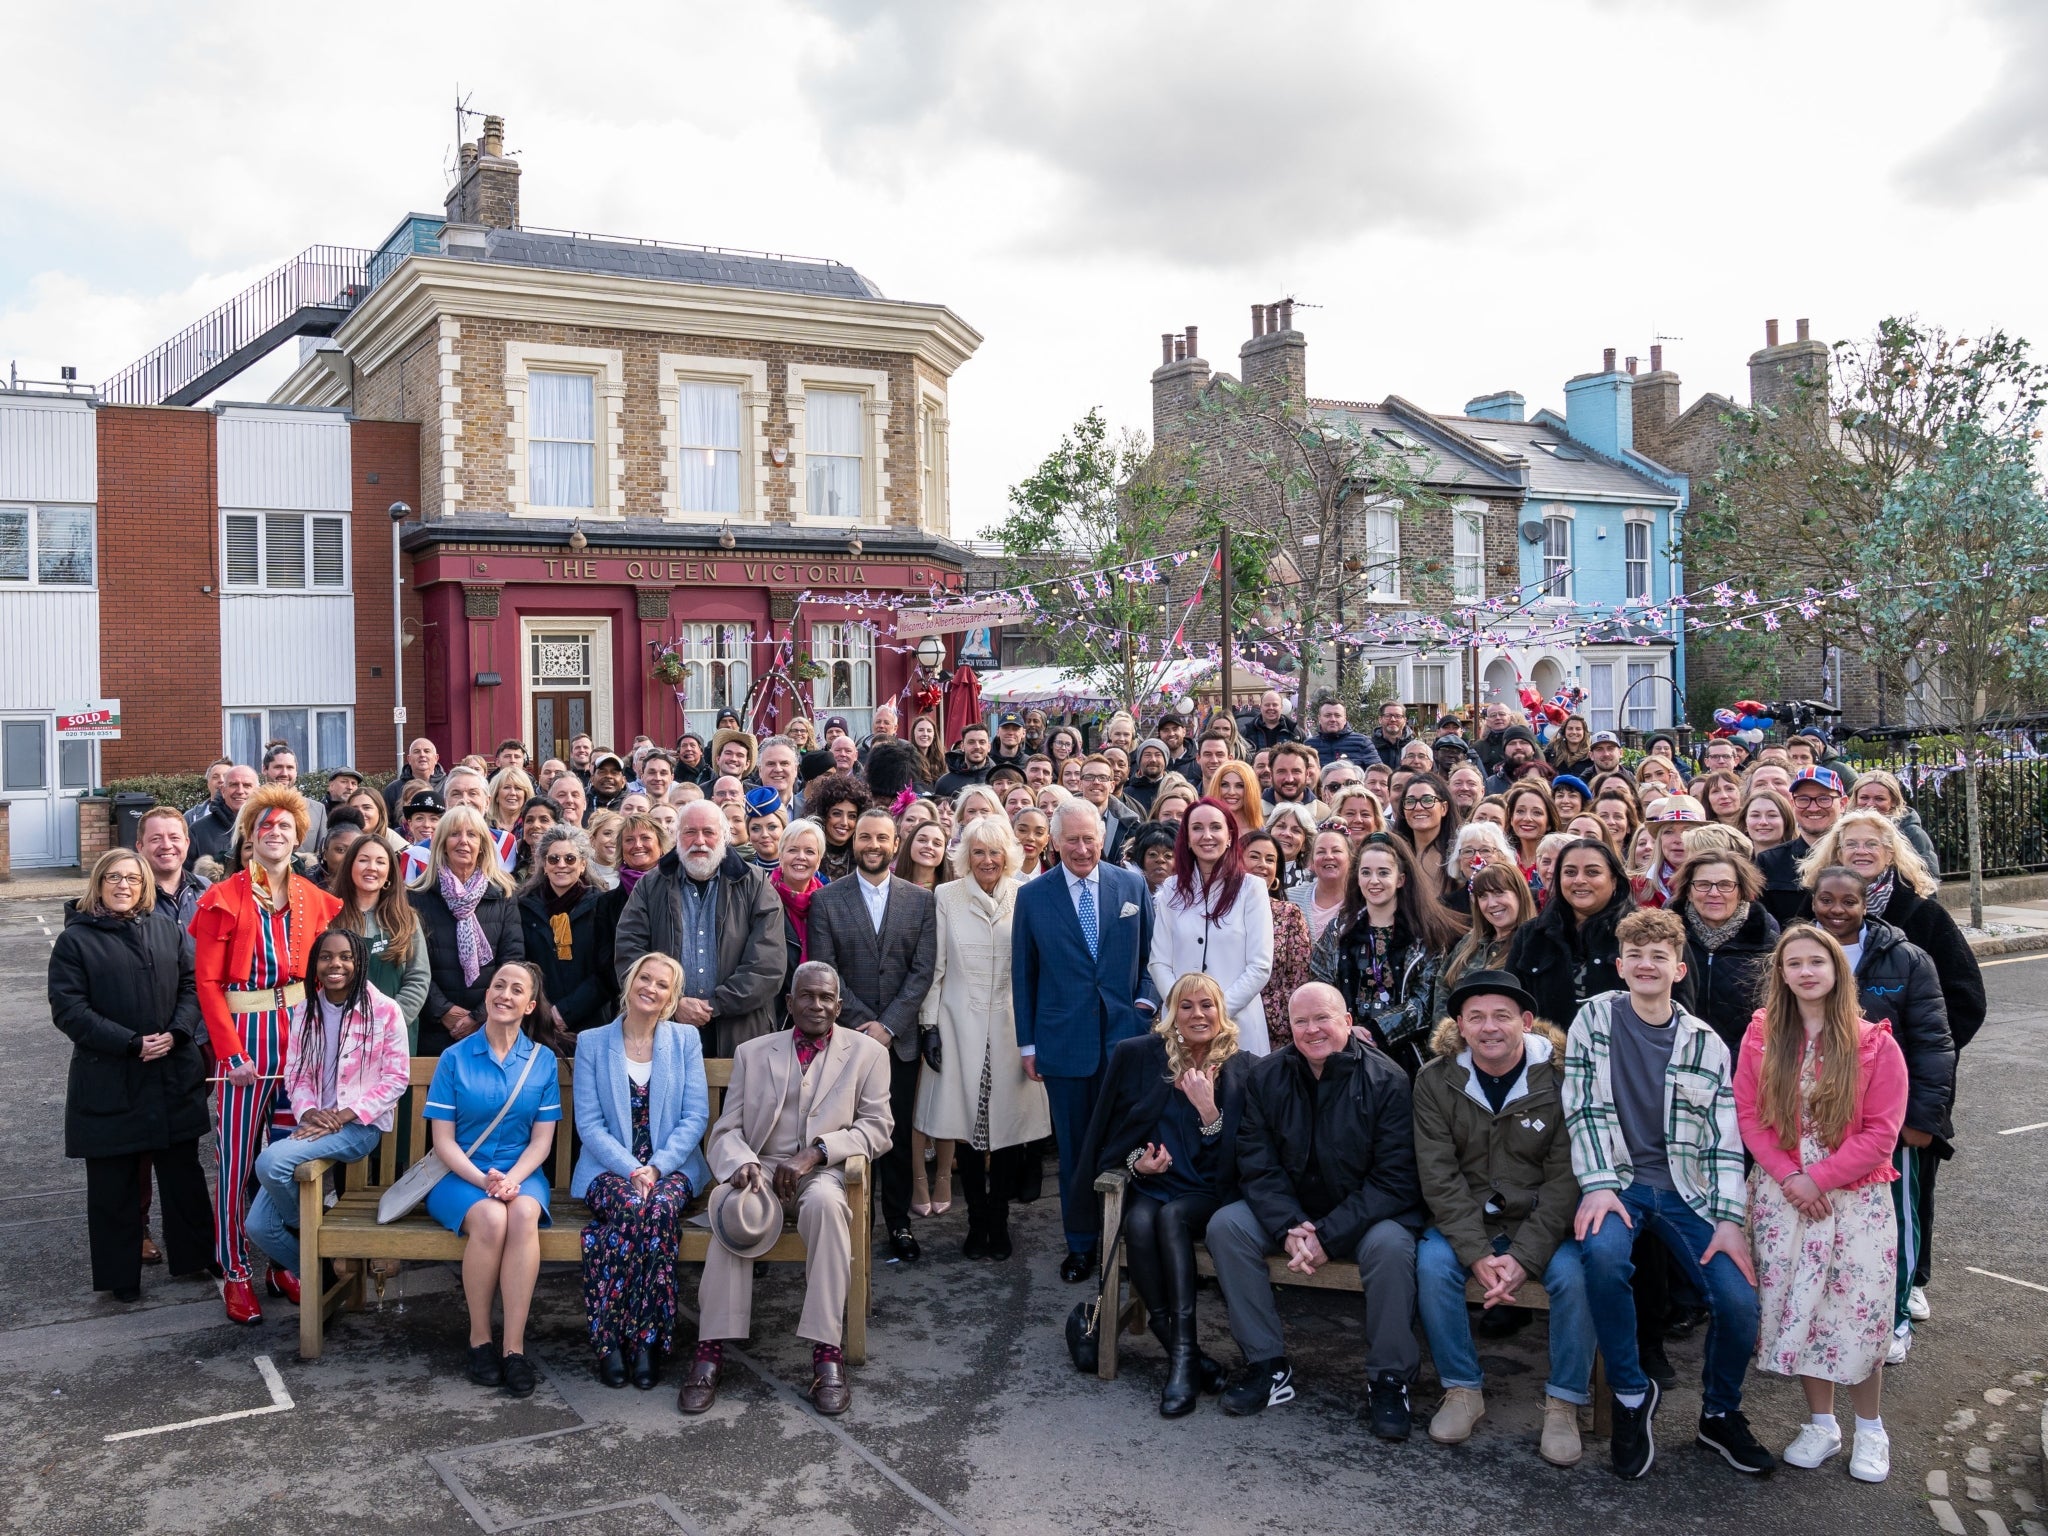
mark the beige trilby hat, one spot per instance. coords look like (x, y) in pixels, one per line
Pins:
(748, 1221)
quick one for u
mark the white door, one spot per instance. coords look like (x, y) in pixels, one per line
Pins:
(41, 783)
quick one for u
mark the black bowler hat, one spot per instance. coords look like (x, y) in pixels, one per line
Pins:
(1490, 984)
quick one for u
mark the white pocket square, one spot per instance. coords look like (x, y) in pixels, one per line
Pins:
(1130, 909)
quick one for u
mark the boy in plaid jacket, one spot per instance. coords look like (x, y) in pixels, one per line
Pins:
(1649, 1102)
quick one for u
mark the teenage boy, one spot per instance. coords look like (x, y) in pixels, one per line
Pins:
(1649, 1100)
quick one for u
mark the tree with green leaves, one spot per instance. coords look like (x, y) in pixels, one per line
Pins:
(1953, 591)
(1097, 502)
(1317, 524)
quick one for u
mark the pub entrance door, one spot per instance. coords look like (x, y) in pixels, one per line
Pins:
(558, 718)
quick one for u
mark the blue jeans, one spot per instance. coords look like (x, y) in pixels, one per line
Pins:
(1731, 1300)
(273, 1213)
(1440, 1297)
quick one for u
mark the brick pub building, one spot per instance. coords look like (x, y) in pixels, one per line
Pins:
(605, 446)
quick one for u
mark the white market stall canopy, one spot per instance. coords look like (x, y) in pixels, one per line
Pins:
(1056, 688)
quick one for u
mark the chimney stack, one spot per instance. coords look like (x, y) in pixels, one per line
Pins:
(486, 189)
(1607, 359)
(1275, 360)
(1656, 357)
(1258, 321)
(1803, 330)
(1770, 333)
(1165, 348)
(1631, 367)
(1287, 314)
(1776, 373)
(1194, 348)
(1180, 349)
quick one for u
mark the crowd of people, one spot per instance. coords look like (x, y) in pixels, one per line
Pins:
(1675, 1040)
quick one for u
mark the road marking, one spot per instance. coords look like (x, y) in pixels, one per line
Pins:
(2038, 1125)
(2015, 960)
(280, 1402)
(1992, 1274)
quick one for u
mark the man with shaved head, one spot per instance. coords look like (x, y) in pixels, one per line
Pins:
(1326, 1171)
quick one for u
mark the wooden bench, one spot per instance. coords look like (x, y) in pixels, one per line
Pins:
(349, 1228)
(1121, 1315)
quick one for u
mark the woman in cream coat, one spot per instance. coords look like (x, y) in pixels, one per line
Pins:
(974, 1090)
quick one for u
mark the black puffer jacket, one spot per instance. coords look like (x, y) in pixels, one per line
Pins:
(1926, 922)
(580, 987)
(112, 981)
(1896, 982)
(1357, 1122)
(1728, 983)
(498, 915)
(1784, 893)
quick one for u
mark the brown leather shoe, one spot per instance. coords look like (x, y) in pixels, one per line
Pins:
(700, 1387)
(830, 1394)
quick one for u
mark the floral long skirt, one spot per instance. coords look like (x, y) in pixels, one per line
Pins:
(629, 1261)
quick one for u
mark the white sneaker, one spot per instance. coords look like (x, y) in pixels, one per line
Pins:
(1813, 1445)
(1902, 1344)
(1871, 1461)
(1916, 1304)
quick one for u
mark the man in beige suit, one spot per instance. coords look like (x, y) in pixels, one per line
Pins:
(801, 1102)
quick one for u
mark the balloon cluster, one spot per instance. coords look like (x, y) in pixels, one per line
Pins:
(1749, 719)
(1554, 711)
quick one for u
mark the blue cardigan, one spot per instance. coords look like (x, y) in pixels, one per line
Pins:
(678, 1106)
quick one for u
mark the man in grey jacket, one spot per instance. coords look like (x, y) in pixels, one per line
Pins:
(718, 915)
(880, 933)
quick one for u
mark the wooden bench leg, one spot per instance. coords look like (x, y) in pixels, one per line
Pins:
(859, 1289)
(312, 1304)
(1603, 1400)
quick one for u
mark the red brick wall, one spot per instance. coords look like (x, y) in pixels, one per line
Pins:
(384, 466)
(158, 571)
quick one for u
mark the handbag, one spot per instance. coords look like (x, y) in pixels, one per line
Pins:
(414, 1185)
(1084, 1323)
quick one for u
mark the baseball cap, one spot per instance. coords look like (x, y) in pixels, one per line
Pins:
(614, 759)
(1679, 808)
(1010, 717)
(1827, 778)
(1606, 739)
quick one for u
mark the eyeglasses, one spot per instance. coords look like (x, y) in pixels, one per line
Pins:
(1819, 802)
(117, 878)
(1716, 887)
(1422, 802)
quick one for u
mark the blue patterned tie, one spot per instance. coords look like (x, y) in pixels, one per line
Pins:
(1089, 930)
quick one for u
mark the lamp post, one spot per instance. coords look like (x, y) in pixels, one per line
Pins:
(931, 655)
(399, 513)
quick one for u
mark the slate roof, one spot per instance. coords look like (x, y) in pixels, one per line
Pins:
(1435, 460)
(1579, 472)
(673, 264)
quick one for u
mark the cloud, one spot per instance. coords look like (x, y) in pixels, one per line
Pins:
(1203, 133)
(2001, 146)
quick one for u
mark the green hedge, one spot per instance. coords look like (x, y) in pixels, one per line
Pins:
(188, 789)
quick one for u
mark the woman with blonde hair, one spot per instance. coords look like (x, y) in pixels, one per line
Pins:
(1877, 790)
(467, 909)
(1235, 787)
(1820, 1095)
(1167, 1118)
(1360, 811)
(974, 1094)
(509, 791)
(976, 801)
(602, 827)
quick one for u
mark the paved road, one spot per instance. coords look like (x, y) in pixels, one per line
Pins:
(968, 1418)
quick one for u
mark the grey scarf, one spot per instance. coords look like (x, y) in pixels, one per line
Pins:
(1713, 935)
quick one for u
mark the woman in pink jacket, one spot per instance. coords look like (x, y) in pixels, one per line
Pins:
(345, 1068)
(1820, 1093)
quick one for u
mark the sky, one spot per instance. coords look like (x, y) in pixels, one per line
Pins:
(1459, 199)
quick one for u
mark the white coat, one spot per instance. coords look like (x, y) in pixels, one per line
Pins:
(970, 1005)
(1235, 947)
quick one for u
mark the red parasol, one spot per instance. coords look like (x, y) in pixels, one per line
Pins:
(963, 701)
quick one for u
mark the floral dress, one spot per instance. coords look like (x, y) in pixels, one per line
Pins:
(629, 1250)
(1825, 1287)
(1290, 966)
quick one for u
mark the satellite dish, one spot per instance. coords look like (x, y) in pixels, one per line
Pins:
(1532, 531)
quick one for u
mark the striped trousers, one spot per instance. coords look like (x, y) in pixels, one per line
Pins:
(243, 1119)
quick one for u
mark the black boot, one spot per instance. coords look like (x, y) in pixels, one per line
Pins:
(999, 1229)
(971, 1167)
(1183, 1357)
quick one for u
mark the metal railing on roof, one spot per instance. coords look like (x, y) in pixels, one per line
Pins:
(679, 245)
(310, 295)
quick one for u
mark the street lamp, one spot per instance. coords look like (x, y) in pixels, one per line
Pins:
(931, 653)
(399, 513)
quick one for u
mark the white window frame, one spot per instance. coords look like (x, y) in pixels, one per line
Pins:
(1631, 527)
(1442, 673)
(1559, 588)
(1381, 527)
(750, 376)
(851, 644)
(1643, 701)
(1600, 717)
(606, 367)
(305, 587)
(712, 652)
(31, 513)
(1468, 566)
(600, 632)
(310, 760)
(872, 384)
(934, 458)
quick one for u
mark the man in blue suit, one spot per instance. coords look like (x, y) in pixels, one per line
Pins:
(1079, 944)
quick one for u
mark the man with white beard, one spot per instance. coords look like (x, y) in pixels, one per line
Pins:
(716, 914)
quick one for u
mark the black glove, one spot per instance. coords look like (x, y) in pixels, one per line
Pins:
(928, 1039)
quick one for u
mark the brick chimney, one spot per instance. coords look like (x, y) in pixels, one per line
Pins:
(1655, 403)
(1775, 372)
(486, 189)
(1276, 362)
(1177, 386)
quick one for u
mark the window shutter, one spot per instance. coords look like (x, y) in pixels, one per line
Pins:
(284, 550)
(243, 569)
(329, 564)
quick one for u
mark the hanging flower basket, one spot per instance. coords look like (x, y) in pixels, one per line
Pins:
(668, 669)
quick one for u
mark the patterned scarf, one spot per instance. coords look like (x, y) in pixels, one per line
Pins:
(1880, 893)
(798, 905)
(1713, 935)
(462, 901)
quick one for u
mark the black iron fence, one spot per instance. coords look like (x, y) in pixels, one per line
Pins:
(2012, 794)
